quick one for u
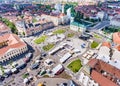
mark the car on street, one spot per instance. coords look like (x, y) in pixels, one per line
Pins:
(2, 78)
(34, 66)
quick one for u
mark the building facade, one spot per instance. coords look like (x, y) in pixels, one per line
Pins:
(10, 47)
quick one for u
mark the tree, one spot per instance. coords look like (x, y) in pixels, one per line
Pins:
(23, 33)
(77, 17)
(10, 25)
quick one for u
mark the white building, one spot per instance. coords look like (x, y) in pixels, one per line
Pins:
(58, 69)
(115, 21)
(65, 57)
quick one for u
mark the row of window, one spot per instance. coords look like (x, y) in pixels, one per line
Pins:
(14, 53)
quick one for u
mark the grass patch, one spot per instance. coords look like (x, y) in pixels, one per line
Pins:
(2, 69)
(70, 35)
(59, 31)
(46, 76)
(75, 65)
(94, 44)
(40, 39)
(97, 36)
(25, 76)
(48, 47)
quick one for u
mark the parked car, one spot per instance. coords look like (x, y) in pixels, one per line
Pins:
(63, 84)
(43, 54)
(21, 66)
(2, 78)
(35, 66)
(6, 75)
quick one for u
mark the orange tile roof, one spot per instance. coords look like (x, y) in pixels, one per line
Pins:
(97, 66)
(107, 44)
(3, 27)
(101, 80)
(116, 37)
(13, 42)
(118, 47)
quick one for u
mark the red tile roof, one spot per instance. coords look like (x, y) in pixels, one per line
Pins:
(118, 47)
(13, 42)
(107, 44)
(96, 73)
(116, 37)
(101, 80)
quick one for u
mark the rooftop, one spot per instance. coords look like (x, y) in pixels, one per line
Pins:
(12, 40)
(116, 37)
(103, 73)
(82, 23)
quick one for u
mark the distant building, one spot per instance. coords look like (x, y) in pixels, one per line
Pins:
(28, 29)
(79, 26)
(57, 19)
(116, 38)
(115, 21)
(10, 46)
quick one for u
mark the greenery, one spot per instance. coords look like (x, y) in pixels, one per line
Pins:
(97, 36)
(10, 25)
(23, 33)
(111, 29)
(48, 47)
(78, 17)
(94, 44)
(71, 5)
(34, 20)
(59, 31)
(75, 65)
(2, 69)
(46, 76)
(70, 35)
(25, 76)
(45, 7)
(40, 39)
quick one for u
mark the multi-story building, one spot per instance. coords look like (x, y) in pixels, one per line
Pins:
(10, 47)
(99, 73)
(115, 21)
(28, 29)
(57, 18)
(80, 26)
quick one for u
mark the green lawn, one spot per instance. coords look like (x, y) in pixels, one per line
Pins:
(25, 76)
(40, 39)
(46, 76)
(2, 69)
(75, 65)
(70, 35)
(48, 47)
(94, 44)
(97, 36)
(59, 31)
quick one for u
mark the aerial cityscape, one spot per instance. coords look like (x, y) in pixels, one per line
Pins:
(59, 42)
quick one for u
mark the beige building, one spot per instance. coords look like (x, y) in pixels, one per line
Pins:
(57, 19)
(10, 46)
